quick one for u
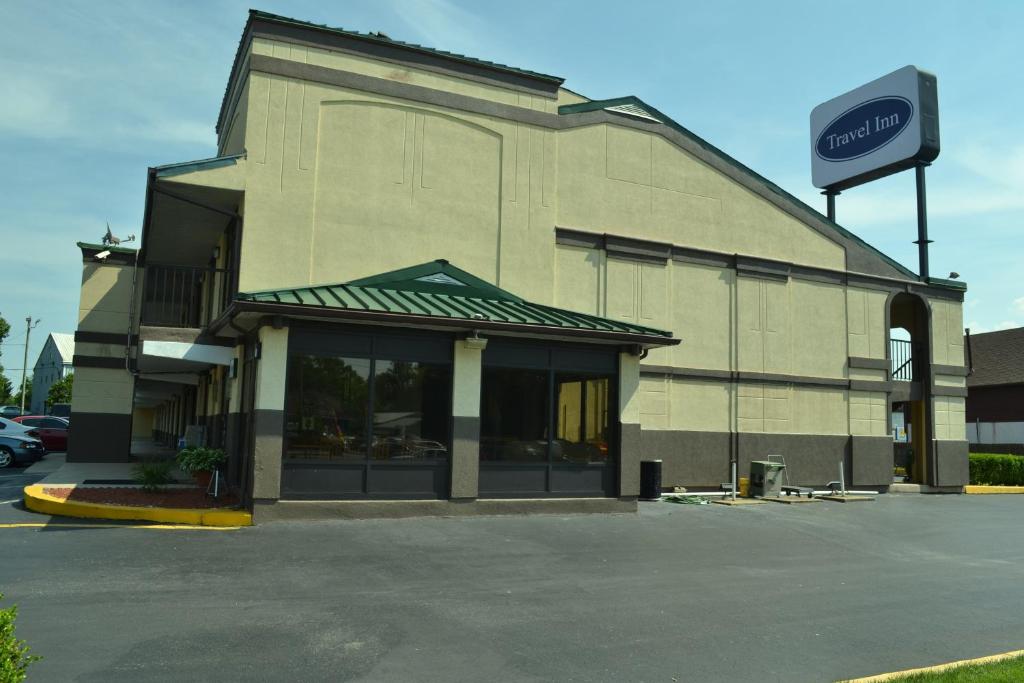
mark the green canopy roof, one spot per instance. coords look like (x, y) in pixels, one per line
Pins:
(438, 291)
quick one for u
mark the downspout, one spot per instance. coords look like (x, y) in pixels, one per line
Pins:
(135, 276)
(970, 356)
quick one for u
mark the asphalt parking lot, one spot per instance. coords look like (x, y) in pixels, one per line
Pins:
(812, 592)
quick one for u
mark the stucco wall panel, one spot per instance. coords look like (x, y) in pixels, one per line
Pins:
(102, 390)
(105, 298)
(702, 315)
(700, 405)
(866, 333)
(578, 277)
(818, 329)
(654, 402)
(764, 328)
(868, 413)
(950, 419)
(819, 411)
(392, 176)
(623, 282)
(636, 184)
(947, 332)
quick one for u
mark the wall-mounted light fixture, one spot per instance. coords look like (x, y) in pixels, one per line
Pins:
(475, 341)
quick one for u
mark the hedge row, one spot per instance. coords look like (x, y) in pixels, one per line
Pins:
(997, 470)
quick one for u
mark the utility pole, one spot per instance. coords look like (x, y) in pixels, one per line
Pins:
(24, 363)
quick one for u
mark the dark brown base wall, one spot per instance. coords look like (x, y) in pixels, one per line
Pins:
(952, 465)
(100, 437)
(692, 458)
(811, 459)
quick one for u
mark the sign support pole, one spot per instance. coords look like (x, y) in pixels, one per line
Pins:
(922, 240)
(830, 199)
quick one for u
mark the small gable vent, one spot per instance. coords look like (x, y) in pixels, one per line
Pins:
(634, 110)
(440, 279)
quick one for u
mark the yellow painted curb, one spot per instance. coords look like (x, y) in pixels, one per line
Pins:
(38, 501)
(895, 675)
(83, 525)
(978, 488)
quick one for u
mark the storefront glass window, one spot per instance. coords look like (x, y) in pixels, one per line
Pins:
(328, 401)
(326, 408)
(410, 410)
(582, 429)
(514, 415)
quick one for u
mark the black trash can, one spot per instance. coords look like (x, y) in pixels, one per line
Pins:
(650, 479)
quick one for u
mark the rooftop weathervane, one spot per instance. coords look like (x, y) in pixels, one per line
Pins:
(111, 240)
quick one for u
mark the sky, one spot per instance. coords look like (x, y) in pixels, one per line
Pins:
(93, 93)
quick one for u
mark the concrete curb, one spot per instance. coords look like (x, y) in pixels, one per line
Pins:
(38, 501)
(980, 489)
(896, 675)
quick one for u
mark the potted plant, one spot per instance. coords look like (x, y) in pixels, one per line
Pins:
(200, 462)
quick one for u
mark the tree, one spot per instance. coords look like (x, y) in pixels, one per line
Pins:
(60, 391)
(14, 654)
(16, 399)
(5, 384)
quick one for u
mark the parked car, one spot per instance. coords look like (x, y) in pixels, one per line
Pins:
(15, 448)
(10, 411)
(53, 431)
(61, 410)
(9, 427)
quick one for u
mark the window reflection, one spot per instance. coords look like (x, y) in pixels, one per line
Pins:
(516, 418)
(326, 407)
(410, 410)
(581, 430)
(514, 415)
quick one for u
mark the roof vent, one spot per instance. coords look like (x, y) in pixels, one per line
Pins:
(634, 110)
(441, 279)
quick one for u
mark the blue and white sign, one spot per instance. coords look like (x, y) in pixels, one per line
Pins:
(880, 128)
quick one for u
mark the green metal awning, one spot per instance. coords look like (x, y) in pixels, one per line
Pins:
(439, 293)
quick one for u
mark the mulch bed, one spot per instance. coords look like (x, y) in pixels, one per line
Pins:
(170, 498)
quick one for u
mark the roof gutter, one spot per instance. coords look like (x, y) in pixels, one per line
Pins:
(238, 307)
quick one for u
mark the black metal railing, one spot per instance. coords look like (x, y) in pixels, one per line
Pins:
(901, 354)
(183, 296)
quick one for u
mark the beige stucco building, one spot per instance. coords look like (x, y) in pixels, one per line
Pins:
(287, 297)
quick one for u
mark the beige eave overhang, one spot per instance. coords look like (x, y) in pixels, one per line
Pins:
(189, 205)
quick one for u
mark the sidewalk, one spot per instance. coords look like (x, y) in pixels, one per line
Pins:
(58, 471)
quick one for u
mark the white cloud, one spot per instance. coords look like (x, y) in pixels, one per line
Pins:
(1018, 305)
(31, 107)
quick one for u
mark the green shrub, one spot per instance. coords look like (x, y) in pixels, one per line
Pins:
(14, 653)
(153, 476)
(997, 470)
(200, 459)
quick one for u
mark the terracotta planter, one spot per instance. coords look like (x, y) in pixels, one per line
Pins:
(203, 478)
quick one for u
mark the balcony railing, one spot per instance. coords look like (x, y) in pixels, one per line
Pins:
(901, 353)
(183, 296)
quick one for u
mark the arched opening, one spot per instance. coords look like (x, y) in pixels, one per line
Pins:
(909, 367)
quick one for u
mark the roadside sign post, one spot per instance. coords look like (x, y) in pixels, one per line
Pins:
(883, 127)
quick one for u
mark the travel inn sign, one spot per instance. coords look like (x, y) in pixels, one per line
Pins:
(880, 128)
